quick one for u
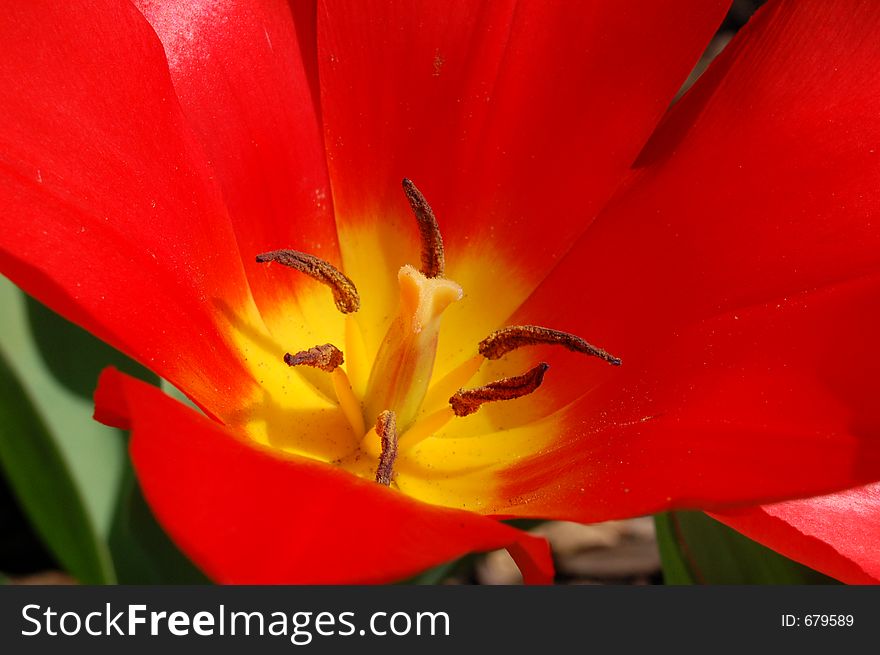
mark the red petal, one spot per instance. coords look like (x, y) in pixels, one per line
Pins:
(109, 212)
(516, 119)
(238, 71)
(762, 404)
(249, 515)
(837, 534)
(760, 184)
(754, 206)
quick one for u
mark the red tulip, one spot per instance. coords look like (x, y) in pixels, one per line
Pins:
(729, 256)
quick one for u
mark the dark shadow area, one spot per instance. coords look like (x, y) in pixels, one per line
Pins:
(22, 552)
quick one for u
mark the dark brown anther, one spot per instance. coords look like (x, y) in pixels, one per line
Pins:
(501, 342)
(327, 358)
(344, 292)
(433, 258)
(467, 401)
(386, 428)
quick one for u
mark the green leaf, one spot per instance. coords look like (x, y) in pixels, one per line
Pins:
(697, 549)
(61, 363)
(142, 552)
(73, 355)
(93, 452)
(675, 568)
(41, 480)
(438, 574)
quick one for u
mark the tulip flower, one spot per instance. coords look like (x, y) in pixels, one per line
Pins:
(576, 305)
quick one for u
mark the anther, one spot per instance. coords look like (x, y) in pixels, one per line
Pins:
(433, 258)
(501, 342)
(344, 292)
(467, 401)
(386, 428)
(327, 358)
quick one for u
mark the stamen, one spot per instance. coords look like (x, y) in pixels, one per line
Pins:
(433, 258)
(386, 428)
(344, 292)
(439, 391)
(427, 426)
(358, 362)
(329, 358)
(502, 341)
(467, 401)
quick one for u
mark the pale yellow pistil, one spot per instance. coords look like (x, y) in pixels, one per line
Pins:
(402, 369)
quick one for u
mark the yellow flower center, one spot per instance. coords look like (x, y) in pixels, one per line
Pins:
(376, 414)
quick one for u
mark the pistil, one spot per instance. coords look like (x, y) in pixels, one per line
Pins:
(402, 368)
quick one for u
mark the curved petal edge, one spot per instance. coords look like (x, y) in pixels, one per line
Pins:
(247, 515)
(837, 534)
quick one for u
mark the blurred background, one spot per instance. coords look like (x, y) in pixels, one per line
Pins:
(71, 510)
